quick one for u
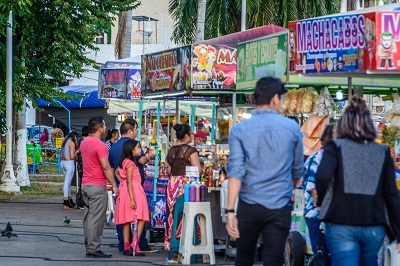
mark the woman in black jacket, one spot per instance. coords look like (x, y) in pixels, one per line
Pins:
(355, 183)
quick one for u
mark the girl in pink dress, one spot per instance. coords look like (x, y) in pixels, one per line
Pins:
(131, 203)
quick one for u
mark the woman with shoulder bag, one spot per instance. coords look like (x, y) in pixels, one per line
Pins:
(356, 190)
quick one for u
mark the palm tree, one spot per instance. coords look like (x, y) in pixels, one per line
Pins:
(201, 19)
(124, 35)
(224, 16)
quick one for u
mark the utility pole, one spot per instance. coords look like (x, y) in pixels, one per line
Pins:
(8, 179)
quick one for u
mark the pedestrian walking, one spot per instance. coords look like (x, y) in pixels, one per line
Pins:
(131, 205)
(311, 212)
(68, 156)
(265, 163)
(356, 190)
(96, 172)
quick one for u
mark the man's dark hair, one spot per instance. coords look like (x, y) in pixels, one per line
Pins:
(85, 131)
(128, 124)
(266, 88)
(95, 123)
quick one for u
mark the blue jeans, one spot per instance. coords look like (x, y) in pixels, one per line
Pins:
(354, 245)
(273, 224)
(315, 234)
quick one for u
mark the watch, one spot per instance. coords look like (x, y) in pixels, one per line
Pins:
(229, 210)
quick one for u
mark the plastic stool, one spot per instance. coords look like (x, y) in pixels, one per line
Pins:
(174, 245)
(206, 245)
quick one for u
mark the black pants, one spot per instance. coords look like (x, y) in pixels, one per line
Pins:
(273, 224)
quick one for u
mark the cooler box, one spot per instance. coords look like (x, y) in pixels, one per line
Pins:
(58, 142)
(33, 152)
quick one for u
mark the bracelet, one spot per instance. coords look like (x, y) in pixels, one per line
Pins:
(229, 211)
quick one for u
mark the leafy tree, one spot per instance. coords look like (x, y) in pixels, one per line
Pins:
(50, 41)
(224, 16)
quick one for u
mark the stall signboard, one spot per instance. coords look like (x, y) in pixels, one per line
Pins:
(134, 84)
(387, 40)
(166, 71)
(112, 83)
(213, 67)
(266, 56)
(331, 44)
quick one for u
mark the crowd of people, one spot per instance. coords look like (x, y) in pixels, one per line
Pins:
(351, 197)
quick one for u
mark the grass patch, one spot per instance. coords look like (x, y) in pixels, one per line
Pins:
(47, 169)
(32, 192)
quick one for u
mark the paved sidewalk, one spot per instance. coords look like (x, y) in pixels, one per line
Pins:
(43, 239)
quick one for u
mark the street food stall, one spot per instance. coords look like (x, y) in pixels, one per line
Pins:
(356, 48)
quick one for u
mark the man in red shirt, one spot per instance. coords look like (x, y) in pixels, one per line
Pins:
(96, 172)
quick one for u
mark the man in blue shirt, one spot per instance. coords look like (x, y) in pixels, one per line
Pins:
(265, 162)
(128, 130)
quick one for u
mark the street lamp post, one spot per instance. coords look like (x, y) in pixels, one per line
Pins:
(8, 179)
(149, 29)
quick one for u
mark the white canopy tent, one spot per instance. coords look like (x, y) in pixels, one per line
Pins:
(203, 108)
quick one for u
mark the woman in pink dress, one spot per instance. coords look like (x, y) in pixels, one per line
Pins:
(131, 203)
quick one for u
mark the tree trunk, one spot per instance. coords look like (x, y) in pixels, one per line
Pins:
(201, 19)
(20, 158)
(124, 35)
(343, 6)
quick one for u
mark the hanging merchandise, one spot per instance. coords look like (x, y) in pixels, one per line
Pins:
(309, 101)
(312, 130)
(324, 104)
(301, 101)
(393, 115)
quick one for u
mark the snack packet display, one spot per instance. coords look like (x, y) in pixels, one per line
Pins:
(393, 115)
(324, 104)
(309, 99)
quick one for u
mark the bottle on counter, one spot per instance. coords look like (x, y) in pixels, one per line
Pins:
(203, 192)
(222, 175)
(210, 180)
(192, 192)
(186, 192)
(198, 186)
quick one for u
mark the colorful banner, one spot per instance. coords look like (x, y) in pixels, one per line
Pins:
(213, 67)
(166, 71)
(387, 41)
(112, 83)
(262, 57)
(332, 44)
(134, 84)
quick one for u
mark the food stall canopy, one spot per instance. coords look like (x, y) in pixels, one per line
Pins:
(358, 42)
(123, 106)
(242, 36)
(86, 97)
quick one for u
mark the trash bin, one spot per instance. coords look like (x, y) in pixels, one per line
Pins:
(33, 152)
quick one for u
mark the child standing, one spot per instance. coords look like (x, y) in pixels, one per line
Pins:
(132, 202)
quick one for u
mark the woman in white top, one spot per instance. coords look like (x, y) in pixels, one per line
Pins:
(68, 153)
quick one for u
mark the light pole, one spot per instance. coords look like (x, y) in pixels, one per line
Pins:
(149, 29)
(8, 179)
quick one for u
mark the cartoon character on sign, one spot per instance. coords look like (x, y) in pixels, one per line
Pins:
(370, 39)
(386, 50)
(206, 57)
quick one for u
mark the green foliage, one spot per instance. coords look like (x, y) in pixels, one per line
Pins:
(224, 16)
(50, 42)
